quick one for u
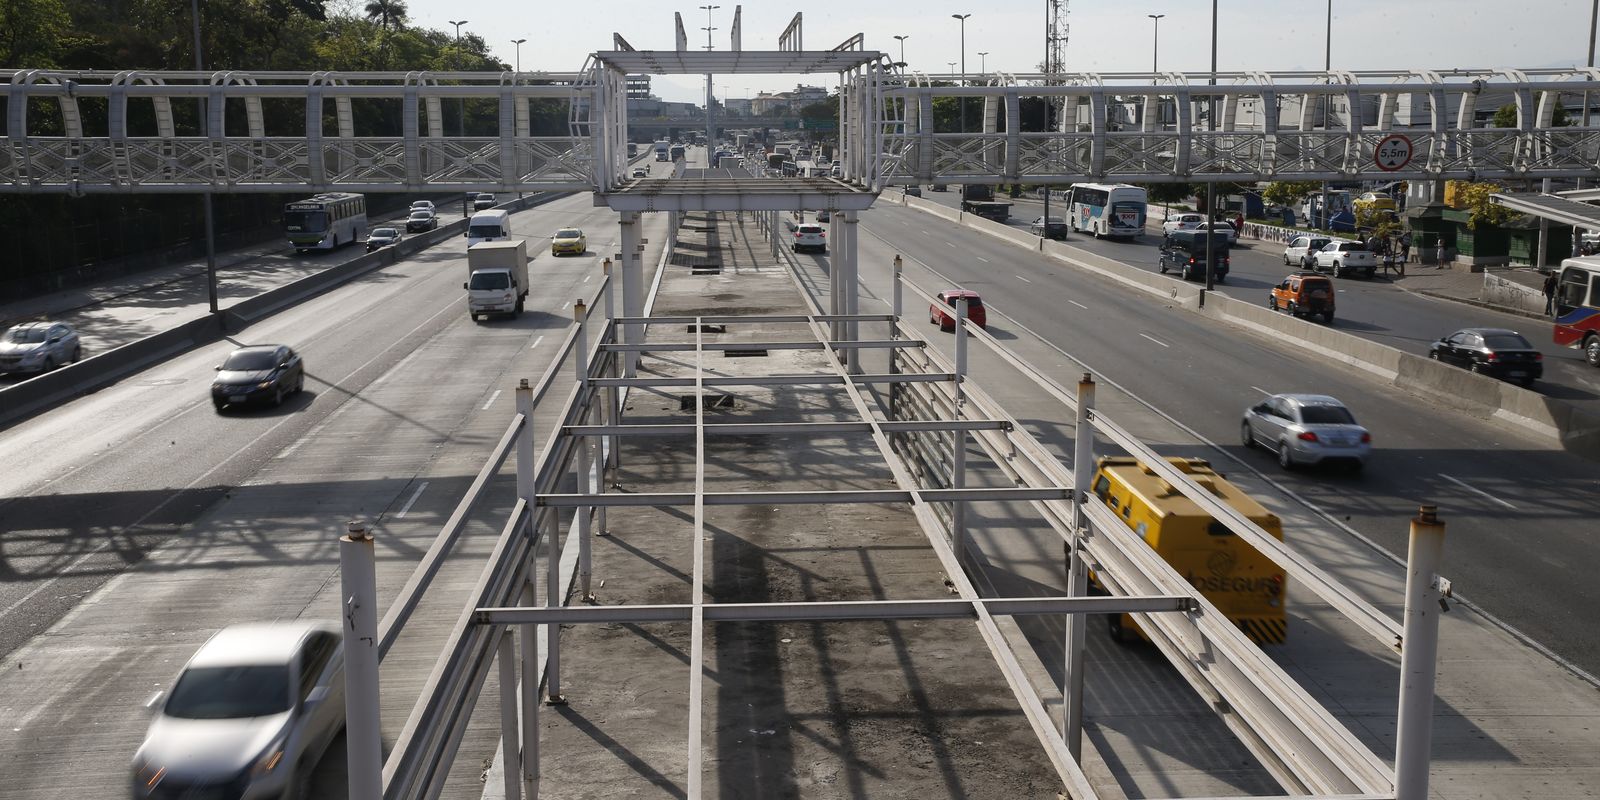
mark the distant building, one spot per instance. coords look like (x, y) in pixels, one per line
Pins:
(739, 106)
(638, 87)
(802, 96)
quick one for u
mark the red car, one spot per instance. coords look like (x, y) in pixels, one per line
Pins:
(945, 316)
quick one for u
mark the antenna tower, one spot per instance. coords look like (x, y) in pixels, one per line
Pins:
(1056, 29)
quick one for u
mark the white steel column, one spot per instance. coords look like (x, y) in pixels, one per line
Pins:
(958, 454)
(845, 249)
(835, 283)
(510, 755)
(525, 445)
(580, 444)
(358, 583)
(529, 639)
(1418, 654)
(552, 631)
(632, 285)
(1077, 571)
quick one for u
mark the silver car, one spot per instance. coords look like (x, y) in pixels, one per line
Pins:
(39, 347)
(248, 717)
(1306, 429)
(1302, 250)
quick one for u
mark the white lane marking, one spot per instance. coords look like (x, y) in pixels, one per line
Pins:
(587, 277)
(492, 398)
(1477, 491)
(1024, 280)
(949, 245)
(924, 233)
(316, 430)
(394, 369)
(406, 509)
(536, 342)
(1261, 390)
(1079, 305)
(565, 305)
(1154, 339)
(981, 258)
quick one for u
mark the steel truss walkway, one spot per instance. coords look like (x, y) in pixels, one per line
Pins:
(265, 131)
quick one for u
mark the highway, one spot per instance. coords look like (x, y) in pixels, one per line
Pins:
(143, 521)
(1377, 310)
(1520, 523)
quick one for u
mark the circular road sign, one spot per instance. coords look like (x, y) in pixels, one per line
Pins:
(1392, 153)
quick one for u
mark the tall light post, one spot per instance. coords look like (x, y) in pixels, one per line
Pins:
(902, 40)
(518, 43)
(710, 137)
(962, 18)
(205, 130)
(461, 107)
(1155, 42)
(983, 63)
(1327, 101)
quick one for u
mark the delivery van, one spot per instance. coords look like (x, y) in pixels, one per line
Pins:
(488, 226)
(1241, 582)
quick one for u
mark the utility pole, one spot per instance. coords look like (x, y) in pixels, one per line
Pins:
(963, 19)
(710, 126)
(461, 109)
(1155, 44)
(1055, 43)
(205, 199)
(903, 39)
(1327, 101)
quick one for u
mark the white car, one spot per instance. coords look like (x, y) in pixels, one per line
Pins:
(38, 347)
(1302, 250)
(1225, 229)
(641, 172)
(422, 205)
(810, 237)
(1182, 222)
(1344, 257)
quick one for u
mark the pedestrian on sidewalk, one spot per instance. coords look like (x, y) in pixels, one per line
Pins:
(1550, 293)
(1405, 246)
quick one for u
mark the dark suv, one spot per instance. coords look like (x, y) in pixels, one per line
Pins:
(1184, 252)
(1303, 294)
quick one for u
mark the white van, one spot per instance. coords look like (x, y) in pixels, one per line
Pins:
(488, 226)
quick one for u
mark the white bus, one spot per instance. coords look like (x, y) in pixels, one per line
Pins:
(325, 221)
(1107, 209)
(488, 226)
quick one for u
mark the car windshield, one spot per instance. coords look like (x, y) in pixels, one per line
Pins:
(568, 234)
(421, 214)
(305, 221)
(485, 197)
(422, 204)
(1506, 341)
(483, 231)
(25, 335)
(490, 280)
(250, 360)
(385, 233)
(230, 692)
(1326, 415)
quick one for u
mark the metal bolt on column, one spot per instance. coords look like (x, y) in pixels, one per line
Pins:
(358, 583)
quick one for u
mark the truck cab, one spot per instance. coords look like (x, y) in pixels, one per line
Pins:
(497, 278)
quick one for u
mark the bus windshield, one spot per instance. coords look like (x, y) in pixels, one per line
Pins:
(305, 221)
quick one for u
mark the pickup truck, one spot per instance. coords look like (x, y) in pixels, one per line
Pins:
(979, 199)
(1344, 257)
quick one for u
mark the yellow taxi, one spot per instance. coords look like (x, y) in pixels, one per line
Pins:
(569, 240)
(1241, 582)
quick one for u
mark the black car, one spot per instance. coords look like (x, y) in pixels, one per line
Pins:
(1184, 252)
(1496, 352)
(421, 221)
(382, 237)
(1055, 228)
(264, 373)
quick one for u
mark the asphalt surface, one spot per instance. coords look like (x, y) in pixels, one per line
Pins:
(1377, 309)
(1520, 523)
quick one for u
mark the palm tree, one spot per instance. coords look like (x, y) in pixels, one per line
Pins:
(387, 13)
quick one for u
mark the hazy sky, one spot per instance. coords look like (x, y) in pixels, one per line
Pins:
(1106, 35)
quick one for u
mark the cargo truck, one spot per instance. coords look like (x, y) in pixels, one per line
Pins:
(661, 149)
(979, 199)
(678, 152)
(497, 278)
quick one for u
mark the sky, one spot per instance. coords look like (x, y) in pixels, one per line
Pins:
(1104, 36)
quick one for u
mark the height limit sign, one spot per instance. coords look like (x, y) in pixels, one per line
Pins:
(1392, 153)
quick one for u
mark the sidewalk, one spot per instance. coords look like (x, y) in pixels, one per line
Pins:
(1464, 286)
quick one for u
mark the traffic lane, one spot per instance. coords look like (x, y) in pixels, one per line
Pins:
(159, 455)
(1507, 491)
(268, 550)
(1376, 310)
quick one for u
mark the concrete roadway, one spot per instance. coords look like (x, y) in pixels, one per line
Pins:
(140, 521)
(1520, 522)
(1378, 309)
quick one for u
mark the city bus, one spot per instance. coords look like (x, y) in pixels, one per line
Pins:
(1577, 304)
(325, 221)
(1107, 209)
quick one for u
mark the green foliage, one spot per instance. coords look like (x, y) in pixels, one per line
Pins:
(33, 33)
(1481, 209)
(1505, 117)
(1287, 193)
(1168, 193)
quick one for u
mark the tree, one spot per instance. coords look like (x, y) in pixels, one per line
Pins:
(1168, 193)
(1505, 117)
(387, 13)
(1287, 193)
(1481, 208)
(32, 32)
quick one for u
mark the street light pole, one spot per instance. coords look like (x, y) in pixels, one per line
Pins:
(1327, 102)
(983, 64)
(518, 43)
(205, 199)
(963, 20)
(903, 39)
(1155, 42)
(461, 107)
(710, 129)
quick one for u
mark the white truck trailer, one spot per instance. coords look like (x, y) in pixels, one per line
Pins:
(497, 278)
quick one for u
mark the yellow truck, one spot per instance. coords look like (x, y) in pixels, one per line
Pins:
(1241, 582)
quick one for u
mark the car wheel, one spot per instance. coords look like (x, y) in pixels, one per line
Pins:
(1591, 351)
(1162, 267)
(1434, 355)
(1247, 438)
(1286, 259)
(1285, 457)
(474, 317)
(1293, 309)
(300, 383)
(1327, 317)
(1223, 278)
(1272, 303)
(218, 405)
(77, 353)
(49, 364)
(1479, 368)
(1527, 383)
(277, 396)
